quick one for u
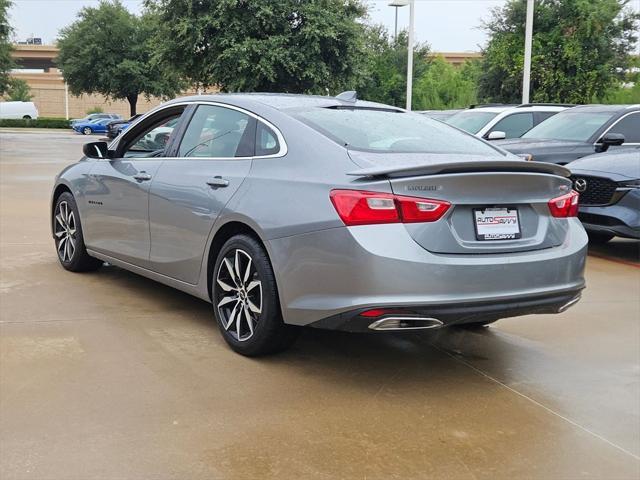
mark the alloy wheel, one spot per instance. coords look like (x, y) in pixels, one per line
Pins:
(86, 131)
(65, 232)
(239, 301)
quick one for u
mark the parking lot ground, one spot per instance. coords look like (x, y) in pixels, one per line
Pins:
(112, 376)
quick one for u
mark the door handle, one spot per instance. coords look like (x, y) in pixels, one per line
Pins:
(142, 176)
(218, 182)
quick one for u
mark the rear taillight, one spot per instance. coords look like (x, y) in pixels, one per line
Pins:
(421, 209)
(565, 205)
(357, 207)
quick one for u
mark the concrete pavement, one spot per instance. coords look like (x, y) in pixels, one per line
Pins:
(112, 376)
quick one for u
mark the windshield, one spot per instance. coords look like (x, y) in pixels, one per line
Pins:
(388, 131)
(471, 121)
(571, 126)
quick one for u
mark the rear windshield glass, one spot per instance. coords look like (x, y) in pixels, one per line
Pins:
(572, 126)
(391, 132)
(471, 122)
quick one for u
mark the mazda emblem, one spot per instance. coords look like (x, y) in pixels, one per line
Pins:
(580, 185)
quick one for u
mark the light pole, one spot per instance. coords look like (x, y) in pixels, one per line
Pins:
(528, 40)
(410, 55)
(397, 4)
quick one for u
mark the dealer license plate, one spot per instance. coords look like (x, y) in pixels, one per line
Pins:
(497, 224)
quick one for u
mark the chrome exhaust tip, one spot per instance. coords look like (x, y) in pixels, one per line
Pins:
(570, 303)
(405, 323)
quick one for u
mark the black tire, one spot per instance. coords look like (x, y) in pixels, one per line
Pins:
(27, 117)
(73, 256)
(87, 131)
(264, 332)
(600, 237)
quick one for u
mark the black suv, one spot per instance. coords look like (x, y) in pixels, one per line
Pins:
(577, 132)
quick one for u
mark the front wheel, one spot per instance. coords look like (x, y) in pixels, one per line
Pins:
(245, 299)
(87, 131)
(69, 241)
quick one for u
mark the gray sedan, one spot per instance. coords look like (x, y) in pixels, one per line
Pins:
(286, 211)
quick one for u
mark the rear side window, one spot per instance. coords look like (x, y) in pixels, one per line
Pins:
(471, 121)
(218, 132)
(514, 126)
(629, 126)
(388, 131)
(539, 117)
(266, 141)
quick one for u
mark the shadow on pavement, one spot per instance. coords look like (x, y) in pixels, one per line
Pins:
(621, 249)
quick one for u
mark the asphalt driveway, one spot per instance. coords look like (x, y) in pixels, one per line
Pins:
(112, 376)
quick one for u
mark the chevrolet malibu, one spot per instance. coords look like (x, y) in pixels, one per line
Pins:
(286, 211)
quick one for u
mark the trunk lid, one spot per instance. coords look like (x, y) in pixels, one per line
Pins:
(480, 191)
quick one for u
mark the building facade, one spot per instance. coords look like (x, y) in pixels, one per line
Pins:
(38, 68)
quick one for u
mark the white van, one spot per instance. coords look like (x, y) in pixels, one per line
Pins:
(18, 110)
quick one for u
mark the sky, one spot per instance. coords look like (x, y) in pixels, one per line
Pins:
(447, 25)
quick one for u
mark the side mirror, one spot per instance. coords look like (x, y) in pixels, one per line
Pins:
(496, 135)
(97, 150)
(608, 140)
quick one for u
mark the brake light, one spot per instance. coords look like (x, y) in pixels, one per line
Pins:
(565, 205)
(421, 209)
(357, 207)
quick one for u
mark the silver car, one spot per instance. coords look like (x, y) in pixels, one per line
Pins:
(287, 210)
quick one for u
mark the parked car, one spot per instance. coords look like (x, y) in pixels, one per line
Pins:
(609, 187)
(441, 115)
(294, 210)
(496, 122)
(96, 116)
(26, 110)
(93, 126)
(578, 132)
(115, 127)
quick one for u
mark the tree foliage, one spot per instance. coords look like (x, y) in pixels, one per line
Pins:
(268, 45)
(18, 91)
(107, 51)
(444, 86)
(436, 85)
(579, 48)
(6, 61)
(385, 75)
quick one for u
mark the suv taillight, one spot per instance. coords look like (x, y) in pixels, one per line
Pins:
(357, 207)
(565, 205)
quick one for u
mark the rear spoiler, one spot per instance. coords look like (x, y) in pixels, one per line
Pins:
(395, 171)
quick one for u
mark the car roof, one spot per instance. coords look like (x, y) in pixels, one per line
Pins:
(283, 101)
(518, 108)
(605, 108)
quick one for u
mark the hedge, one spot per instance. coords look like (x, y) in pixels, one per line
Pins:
(39, 123)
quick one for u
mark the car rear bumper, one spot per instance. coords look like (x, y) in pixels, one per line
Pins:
(340, 271)
(457, 314)
(621, 219)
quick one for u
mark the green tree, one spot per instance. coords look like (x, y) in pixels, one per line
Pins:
(18, 91)
(385, 76)
(579, 48)
(6, 61)
(268, 45)
(107, 51)
(444, 86)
